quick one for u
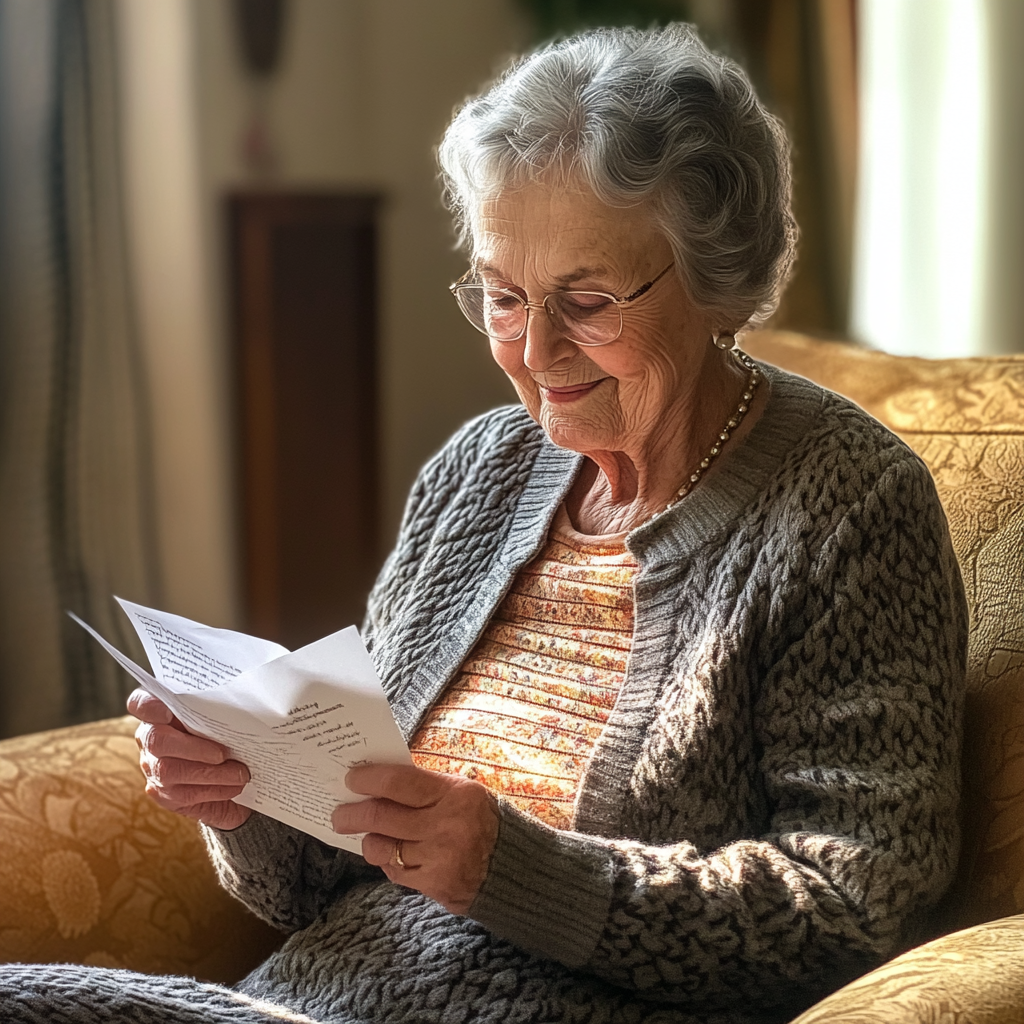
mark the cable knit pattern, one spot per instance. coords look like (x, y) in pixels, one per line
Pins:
(771, 806)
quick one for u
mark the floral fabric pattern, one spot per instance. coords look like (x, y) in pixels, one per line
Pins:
(523, 715)
(93, 872)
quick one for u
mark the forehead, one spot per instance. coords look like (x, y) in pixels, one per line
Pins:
(558, 224)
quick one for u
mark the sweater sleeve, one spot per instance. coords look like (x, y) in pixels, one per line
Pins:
(857, 722)
(282, 875)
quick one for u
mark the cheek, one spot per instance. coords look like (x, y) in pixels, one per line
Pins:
(652, 357)
(649, 381)
(631, 367)
(509, 356)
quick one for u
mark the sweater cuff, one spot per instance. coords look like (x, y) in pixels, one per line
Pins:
(247, 844)
(546, 891)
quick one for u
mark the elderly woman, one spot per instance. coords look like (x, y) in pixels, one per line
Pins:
(678, 644)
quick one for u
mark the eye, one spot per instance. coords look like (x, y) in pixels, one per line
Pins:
(500, 301)
(582, 303)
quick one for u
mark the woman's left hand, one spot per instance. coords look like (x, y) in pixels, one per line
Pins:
(442, 827)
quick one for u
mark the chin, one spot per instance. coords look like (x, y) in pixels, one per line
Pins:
(574, 433)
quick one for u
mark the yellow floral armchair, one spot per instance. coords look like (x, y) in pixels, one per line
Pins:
(92, 872)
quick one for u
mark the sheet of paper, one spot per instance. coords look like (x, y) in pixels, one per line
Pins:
(137, 672)
(297, 720)
(192, 656)
(309, 715)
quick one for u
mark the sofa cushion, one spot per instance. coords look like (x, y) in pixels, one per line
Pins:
(965, 418)
(974, 976)
(93, 872)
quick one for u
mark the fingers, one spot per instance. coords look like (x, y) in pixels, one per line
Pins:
(381, 851)
(180, 798)
(224, 816)
(166, 741)
(380, 816)
(196, 790)
(187, 774)
(173, 771)
(403, 784)
(147, 708)
(446, 846)
(177, 784)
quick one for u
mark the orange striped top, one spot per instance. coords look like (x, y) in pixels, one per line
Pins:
(523, 714)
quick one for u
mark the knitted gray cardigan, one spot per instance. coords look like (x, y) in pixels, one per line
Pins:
(773, 798)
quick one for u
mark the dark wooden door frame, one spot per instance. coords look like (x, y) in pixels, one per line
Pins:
(304, 301)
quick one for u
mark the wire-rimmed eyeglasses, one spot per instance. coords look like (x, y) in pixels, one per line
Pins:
(586, 318)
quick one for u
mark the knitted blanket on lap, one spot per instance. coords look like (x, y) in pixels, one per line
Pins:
(772, 804)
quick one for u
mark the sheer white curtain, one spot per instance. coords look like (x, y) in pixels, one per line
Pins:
(939, 235)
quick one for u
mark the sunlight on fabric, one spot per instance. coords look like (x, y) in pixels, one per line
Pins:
(922, 194)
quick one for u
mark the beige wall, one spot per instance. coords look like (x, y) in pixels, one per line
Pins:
(176, 288)
(939, 253)
(363, 93)
(364, 90)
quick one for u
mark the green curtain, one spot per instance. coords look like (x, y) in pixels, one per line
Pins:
(801, 56)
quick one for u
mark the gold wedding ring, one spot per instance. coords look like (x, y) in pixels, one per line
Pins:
(397, 855)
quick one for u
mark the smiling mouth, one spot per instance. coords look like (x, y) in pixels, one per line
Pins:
(570, 393)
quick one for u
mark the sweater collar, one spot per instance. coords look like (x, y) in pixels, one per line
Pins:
(740, 476)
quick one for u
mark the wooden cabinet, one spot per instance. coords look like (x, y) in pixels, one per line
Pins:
(303, 280)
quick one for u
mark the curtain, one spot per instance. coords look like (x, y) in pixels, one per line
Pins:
(940, 213)
(76, 521)
(802, 56)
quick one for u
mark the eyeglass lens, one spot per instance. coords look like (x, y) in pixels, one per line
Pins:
(589, 318)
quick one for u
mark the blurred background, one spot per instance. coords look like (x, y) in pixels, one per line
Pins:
(226, 341)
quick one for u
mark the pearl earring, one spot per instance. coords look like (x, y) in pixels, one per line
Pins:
(726, 342)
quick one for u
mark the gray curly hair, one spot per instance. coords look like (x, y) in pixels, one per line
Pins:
(642, 117)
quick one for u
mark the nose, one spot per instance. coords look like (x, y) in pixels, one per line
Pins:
(546, 345)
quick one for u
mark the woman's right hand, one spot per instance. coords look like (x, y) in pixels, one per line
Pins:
(184, 773)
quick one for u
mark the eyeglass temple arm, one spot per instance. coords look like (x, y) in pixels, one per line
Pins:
(644, 288)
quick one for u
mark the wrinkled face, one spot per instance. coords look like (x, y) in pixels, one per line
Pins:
(616, 397)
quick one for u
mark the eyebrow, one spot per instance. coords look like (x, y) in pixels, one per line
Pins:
(575, 275)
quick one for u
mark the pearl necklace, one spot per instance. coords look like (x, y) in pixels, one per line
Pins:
(733, 422)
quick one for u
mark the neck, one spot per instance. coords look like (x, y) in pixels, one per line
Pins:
(618, 490)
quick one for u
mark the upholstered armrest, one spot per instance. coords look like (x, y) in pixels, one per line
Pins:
(975, 976)
(91, 871)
